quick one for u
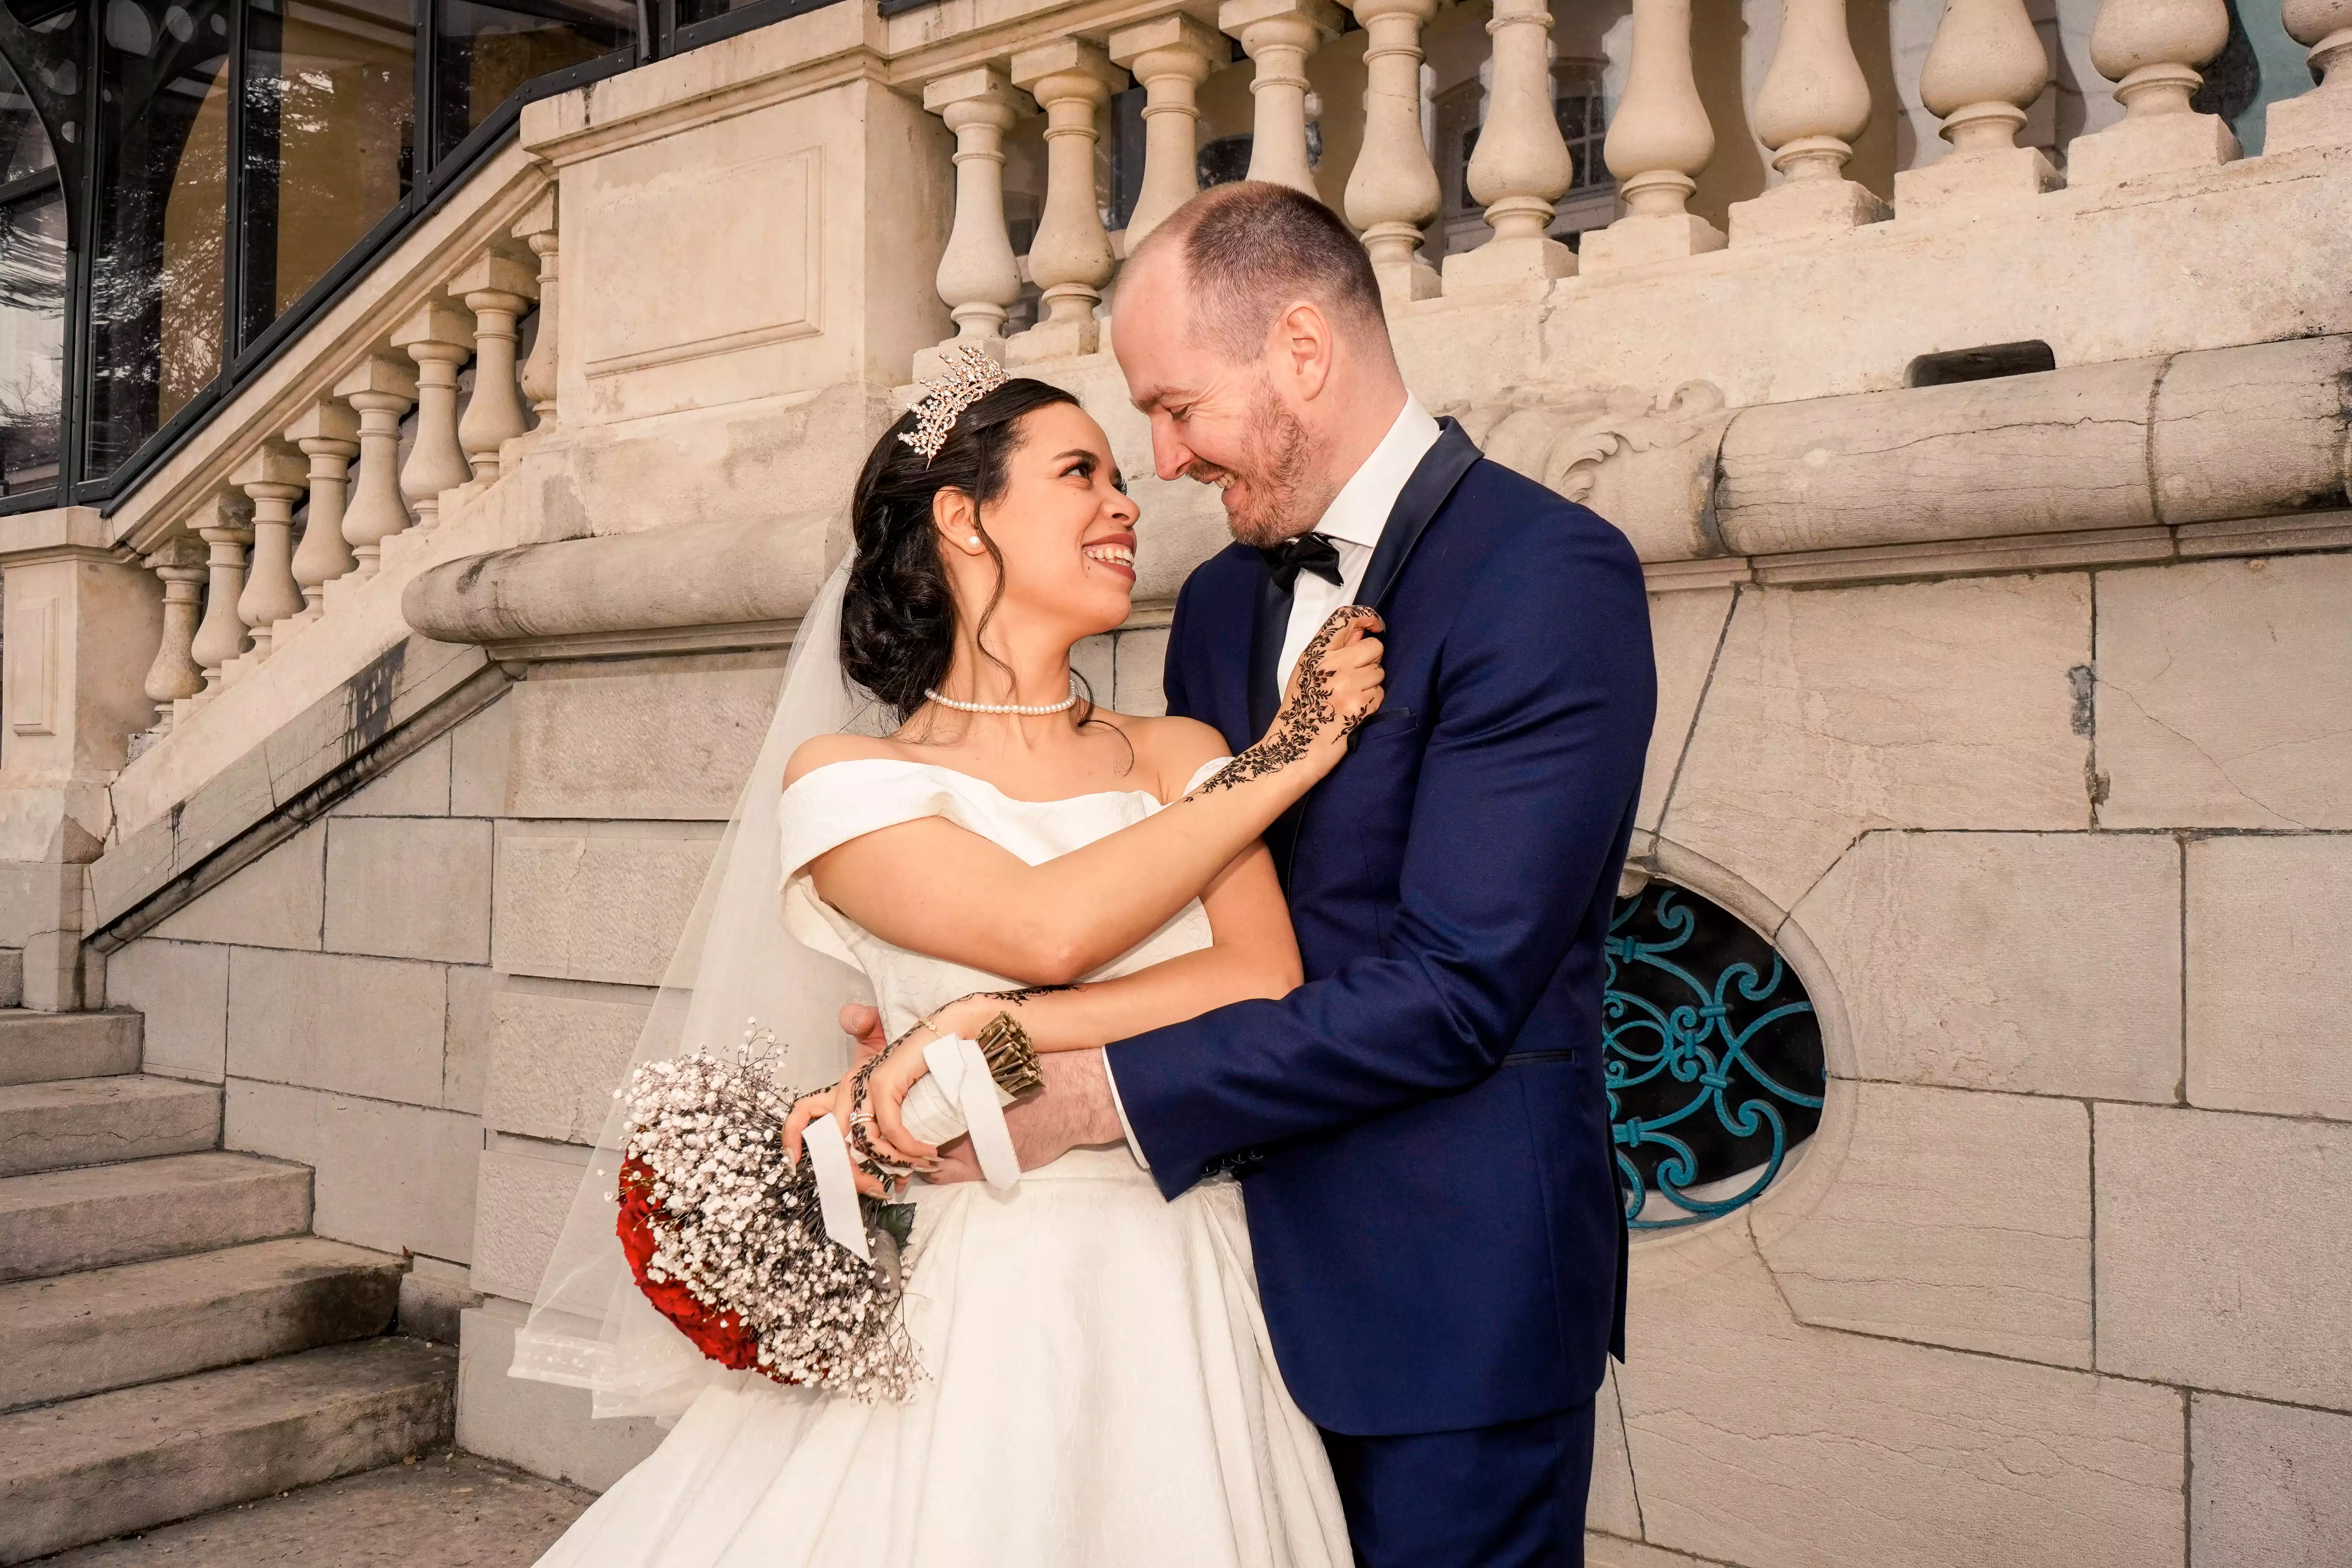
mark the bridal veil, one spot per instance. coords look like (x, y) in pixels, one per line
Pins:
(589, 1326)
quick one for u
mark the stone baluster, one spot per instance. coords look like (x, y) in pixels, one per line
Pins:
(273, 480)
(1814, 103)
(1659, 139)
(1521, 166)
(1984, 71)
(496, 288)
(222, 526)
(380, 391)
(2150, 49)
(1070, 260)
(175, 676)
(1170, 56)
(439, 338)
(2322, 117)
(979, 277)
(329, 436)
(1392, 191)
(1278, 36)
(537, 229)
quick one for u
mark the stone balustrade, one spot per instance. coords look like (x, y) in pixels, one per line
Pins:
(304, 517)
(1986, 68)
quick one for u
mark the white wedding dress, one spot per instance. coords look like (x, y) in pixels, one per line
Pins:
(1099, 1391)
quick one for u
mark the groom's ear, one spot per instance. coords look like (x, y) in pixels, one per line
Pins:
(1302, 344)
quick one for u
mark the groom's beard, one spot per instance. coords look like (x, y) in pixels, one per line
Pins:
(1269, 505)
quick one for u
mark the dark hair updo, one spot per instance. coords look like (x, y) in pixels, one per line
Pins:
(897, 617)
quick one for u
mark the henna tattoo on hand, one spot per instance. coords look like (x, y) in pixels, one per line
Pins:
(1302, 719)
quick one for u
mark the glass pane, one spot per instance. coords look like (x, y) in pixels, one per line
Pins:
(483, 52)
(330, 143)
(24, 145)
(32, 339)
(156, 280)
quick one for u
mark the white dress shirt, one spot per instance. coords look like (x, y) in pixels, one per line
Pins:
(1353, 522)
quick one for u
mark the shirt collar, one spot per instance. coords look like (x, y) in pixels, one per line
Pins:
(1359, 512)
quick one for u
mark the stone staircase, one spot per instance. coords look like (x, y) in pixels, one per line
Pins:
(172, 1339)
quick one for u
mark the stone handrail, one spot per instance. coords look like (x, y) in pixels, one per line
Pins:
(2125, 460)
(2207, 437)
(322, 429)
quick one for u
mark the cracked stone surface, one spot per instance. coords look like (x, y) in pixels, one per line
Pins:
(2268, 987)
(2221, 694)
(2222, 1241)
(1762, 1441)
(1835, 712)
(2035, 962)
(448, 1511)
(1957, 1218)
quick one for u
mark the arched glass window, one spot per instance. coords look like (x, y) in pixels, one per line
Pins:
(33, 282)
(1713, 1058)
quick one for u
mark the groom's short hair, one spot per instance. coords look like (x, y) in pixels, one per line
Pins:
(1251, 248)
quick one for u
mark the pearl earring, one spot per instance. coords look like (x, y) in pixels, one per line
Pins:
(973, 541)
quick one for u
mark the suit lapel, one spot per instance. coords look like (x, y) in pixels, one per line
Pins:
(1442, 467)
(1267, 628)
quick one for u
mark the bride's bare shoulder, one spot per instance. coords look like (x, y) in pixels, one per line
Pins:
(1172, 749)
(824, 751)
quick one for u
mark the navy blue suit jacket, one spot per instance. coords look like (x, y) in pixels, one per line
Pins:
(1420, 1129)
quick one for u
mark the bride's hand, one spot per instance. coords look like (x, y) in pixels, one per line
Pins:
(1335, 687)
(862, 1025)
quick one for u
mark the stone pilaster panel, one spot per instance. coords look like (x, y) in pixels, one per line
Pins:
(2271, 1486)
(2038, 962)
(2223, 688)
(182, 990)
(278, 902)
(600, 901)
(371, 1027)
(2221, 1248)
(390, 1176)
(1835, 712)
(413, 887)
(1956, 1218)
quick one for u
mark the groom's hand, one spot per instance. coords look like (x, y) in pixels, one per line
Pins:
(1072, 1112)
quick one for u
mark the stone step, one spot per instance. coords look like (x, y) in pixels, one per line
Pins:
(93, 1467)
(141, 1322)
(59, 1222)
(103, 1120)
(11, 977)
(39, 1047)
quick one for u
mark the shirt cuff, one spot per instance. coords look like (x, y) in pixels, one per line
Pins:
(1125, 1126)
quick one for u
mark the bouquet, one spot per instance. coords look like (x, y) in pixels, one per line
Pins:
(731, 1242)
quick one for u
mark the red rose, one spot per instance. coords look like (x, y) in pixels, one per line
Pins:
(731, 1345)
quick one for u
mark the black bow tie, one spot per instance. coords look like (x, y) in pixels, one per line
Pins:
(1307, 553)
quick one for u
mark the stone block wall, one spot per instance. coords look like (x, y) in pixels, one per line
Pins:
(340, 988)
(2061, 857)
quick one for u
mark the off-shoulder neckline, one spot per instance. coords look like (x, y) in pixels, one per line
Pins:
(975, 779)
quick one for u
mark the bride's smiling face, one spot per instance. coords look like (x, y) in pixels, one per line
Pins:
(1065, 528)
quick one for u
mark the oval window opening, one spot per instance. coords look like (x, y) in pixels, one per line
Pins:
(1714, 1058)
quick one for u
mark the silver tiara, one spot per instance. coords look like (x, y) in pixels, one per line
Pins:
(971, 377)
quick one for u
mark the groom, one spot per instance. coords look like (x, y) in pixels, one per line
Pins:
(1420, 1129)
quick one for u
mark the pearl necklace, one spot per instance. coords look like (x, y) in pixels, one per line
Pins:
(1063, 706)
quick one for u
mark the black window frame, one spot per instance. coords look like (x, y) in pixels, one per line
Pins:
(437, 179)
(80, 171)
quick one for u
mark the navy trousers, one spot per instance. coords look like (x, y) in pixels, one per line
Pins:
(1492, 1496)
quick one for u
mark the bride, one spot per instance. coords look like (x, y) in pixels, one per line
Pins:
(1099, 1386)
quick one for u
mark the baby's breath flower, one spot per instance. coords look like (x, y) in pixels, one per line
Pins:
(744, 1235)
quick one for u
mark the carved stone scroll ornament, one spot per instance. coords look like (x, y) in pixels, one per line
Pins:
(1579, 441)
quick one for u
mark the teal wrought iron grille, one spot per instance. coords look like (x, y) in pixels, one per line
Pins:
(1713, 1057)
